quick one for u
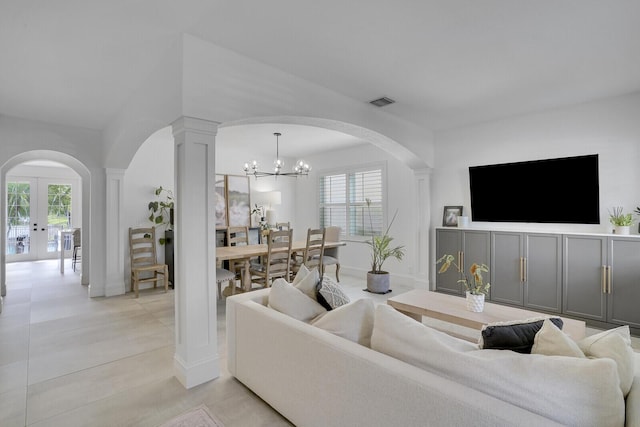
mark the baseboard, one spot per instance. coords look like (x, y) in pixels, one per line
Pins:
(198, 373)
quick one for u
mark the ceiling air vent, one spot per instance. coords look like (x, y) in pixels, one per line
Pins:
(381, 102)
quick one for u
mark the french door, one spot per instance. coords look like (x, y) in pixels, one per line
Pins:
(37, 209)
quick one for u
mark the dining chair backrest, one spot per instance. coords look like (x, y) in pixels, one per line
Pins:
(277, 263)
(332, 234)
(314, 249)
(237, 236)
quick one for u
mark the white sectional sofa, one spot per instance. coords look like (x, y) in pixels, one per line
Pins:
(315, 378)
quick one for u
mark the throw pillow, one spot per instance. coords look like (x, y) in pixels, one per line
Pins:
(614, 345)
(551, 341)
(301, 274)
(330, 295)
(517, 335)
(308, 283)
(353, 321)
(293, 302)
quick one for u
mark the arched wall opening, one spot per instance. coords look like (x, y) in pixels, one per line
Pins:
(85, 178)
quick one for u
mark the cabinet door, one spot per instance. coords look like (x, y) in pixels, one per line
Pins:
(624, 296)
(583, 273)
(506, 276)
(476, 247)
(448, 242)
(543, 272)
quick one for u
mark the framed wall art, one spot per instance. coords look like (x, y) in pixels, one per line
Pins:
(450, 216)
(238, 201)
(221, 201)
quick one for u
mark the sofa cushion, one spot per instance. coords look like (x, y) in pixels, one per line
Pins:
(570, 391)
(517, 335)
(551, 341)
(292, 301)
(353, 321)
(329, 294)
(308, 282)
(614, 344)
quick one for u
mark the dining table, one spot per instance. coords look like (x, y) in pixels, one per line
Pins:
(244, 253)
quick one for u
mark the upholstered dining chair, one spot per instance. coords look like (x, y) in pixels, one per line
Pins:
(313, 251)
(277, 262)
(144, 261)
(330, 257)
(224, 276)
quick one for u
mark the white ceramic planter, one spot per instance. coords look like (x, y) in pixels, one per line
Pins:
(378, 283)
(475, 303)
(622, 229)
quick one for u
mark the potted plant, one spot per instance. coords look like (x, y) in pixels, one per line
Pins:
(381, 250)
(637, 211)
(161, 211)
(475, 288)
(621, 221)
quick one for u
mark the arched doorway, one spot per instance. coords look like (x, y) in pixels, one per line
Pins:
(85, 179)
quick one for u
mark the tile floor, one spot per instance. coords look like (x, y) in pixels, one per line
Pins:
(69, 360)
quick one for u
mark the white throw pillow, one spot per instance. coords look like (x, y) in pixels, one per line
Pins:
(551, 341)
(570, 391)
(614, 344)
(301, 274)
(291, 301)
(353, 321)
(308, 283)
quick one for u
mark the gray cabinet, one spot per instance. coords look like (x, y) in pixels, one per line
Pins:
(602, 279)
(468, 246)
(526, 270)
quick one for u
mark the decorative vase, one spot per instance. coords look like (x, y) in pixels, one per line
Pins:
(475, 302)
(378, 283)
(622, 229)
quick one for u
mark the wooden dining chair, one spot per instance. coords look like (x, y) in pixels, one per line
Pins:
(237, 236)
(144, 261)
(277, 262)
(330, 256)
(313, 251)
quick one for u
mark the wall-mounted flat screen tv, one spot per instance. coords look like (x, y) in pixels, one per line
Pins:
(563, 190)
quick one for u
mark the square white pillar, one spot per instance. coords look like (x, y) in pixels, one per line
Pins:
(196, 359)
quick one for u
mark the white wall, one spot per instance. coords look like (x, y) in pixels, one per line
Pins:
(609, 128)
(401, 193)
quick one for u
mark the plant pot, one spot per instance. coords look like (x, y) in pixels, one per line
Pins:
(475, 302)
(622, 229)
(378, 282)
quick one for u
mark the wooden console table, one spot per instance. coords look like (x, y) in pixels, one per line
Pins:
(453, 309)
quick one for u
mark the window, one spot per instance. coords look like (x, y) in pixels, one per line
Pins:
(344, 196)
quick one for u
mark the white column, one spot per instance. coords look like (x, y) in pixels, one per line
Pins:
(422, 183)
(115, 229)
(196, 359)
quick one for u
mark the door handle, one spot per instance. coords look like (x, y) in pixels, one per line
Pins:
(603, 279)
(43, 229)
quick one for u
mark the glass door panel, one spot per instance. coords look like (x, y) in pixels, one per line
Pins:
(58, 216)
(19, 208)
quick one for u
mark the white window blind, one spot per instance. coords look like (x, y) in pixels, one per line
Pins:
(343, 201)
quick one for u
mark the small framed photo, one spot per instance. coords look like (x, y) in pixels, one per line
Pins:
(450, 216)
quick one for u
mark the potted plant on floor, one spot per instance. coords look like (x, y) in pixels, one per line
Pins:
(161, 215)
(381, 250)
(622, 222)
(475, 288)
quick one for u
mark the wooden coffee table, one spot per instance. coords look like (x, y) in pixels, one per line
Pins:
(453, 309)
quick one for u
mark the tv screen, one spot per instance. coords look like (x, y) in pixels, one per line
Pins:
(563, 190)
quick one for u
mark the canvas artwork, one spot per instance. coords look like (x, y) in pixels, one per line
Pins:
(238, 202)
(221, 201)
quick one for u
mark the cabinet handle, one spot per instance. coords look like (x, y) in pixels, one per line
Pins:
(524, 269)
(521, 271)
(603, 279)
(609, 278)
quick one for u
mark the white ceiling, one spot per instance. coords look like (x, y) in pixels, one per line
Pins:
(447, 63)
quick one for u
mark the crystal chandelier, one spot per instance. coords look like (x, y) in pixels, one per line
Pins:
(300, 169)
